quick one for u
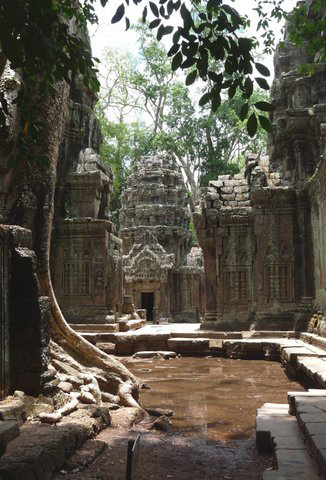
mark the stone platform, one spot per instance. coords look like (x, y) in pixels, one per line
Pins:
(296, 433)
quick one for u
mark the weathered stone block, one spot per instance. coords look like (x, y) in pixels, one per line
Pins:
(227, 189)
(241, 189)
(242, 197)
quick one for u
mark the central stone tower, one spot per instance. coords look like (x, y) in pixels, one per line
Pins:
(162, 271)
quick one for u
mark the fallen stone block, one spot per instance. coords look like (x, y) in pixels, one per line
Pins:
(13, 410)
(162, 424)
(158, 412)
(151, 354)
(125, 326)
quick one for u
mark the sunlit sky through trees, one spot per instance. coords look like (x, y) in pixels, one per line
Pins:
(107, 35)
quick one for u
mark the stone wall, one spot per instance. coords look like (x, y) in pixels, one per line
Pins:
(317, 191)
(24, 316)
(251, 241)
(263, 232)
(86, 253)
(160, 272)
(85, 249)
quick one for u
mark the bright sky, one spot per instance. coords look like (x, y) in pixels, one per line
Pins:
(114, 35)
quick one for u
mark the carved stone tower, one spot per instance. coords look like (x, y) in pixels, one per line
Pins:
(154, 221)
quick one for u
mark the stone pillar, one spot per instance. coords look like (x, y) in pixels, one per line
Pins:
(210, 287)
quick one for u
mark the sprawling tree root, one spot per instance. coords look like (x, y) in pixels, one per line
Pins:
(112, 376)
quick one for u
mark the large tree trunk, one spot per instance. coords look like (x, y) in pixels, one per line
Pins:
(118, 380)
(38, 182)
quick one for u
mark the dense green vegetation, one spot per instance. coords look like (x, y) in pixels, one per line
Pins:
(37, 39)
(145, 107)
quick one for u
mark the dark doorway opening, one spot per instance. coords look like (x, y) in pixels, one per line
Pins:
(147, 302)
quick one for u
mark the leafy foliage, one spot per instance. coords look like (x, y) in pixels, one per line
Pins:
(203, 142)
(37, 38)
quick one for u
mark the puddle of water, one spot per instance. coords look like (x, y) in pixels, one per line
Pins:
(213, 397)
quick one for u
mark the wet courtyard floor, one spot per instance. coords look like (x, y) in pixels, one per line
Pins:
(214, 401)
(213, 397)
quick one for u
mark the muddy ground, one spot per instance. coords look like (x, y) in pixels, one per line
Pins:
(163, 455)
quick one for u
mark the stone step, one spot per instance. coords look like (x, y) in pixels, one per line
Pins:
(312, 395)
(99, 337)
(95, 327)
(310, 411)
(314, 368)
(189, 345)
(291, 353)
(279, 432)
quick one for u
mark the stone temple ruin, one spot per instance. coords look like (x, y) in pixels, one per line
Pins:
(88, 273)
(261, 265)
(262, 232)
(162, 272)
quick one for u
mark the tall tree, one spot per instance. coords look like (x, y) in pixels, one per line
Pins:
(203, 142)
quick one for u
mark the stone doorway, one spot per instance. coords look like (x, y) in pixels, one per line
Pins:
(147, 302)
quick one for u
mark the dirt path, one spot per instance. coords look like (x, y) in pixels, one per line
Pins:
(164, 455)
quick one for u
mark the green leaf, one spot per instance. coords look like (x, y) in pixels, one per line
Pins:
(144, 14)
(186, 16)
(205, 99)
(245, 44)
(155, 23)
(176, 37)
(168, 29)
(262, 83)
(191, 77)
(127, 23)
(262, 69)
(264, 106)
(103, 2)
(177, 60)
(217, 78)
(265, 123)
(189, 62)
(170, 7)
(232, 90)
(118, 14)
(173, 50)
(160, 32)
(244, 111)
(216, 102)
(154, 9)
(252, 125)
(177, 5)
(248, 87)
